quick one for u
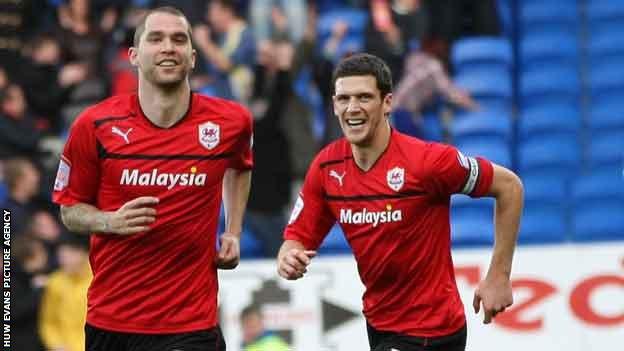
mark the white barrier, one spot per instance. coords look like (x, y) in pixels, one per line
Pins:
(567, 297)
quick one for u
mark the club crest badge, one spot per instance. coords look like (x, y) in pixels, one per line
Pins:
(396, 178)
(209, 135)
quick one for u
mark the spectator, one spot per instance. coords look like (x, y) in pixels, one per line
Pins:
(255, 336)
(262, 11)
(47, 81)
(64, 303)
(18, 130)
(22, 178)
(45, 227)
(272, 175)
(27, 281)
(82, 41)
(230, 58)
(395, 31)
(423, 80)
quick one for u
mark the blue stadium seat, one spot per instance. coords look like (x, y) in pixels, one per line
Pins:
(475, 52)
(467, 231)
(598, 187)
(606, 77)
(557, 157)
(493, 150)
(335, 242)
(598, 207)
(552, 11)
(482, 124)
(605, 39)
(605, 149)
(356, 19)
(601, 221)
(492, 92)
(540, 47)
(250, 246)
(542, 225)
(600, 10)
(543, 83)
(544, 119)
(427, 127)
(544, 192)
(606, 113)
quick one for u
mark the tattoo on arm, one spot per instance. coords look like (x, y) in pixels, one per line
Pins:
(84, 218)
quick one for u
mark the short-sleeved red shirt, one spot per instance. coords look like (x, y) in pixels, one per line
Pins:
(395, 216)
(163, 280)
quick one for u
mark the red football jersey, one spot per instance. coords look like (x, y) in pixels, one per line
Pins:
(395, 216)
(163, 280)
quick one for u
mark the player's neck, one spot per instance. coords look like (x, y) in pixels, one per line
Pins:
(164, 107)
(366, 156)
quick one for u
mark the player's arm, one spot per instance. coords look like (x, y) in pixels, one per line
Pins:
(494, 292)
(133, 217)
(236, 185)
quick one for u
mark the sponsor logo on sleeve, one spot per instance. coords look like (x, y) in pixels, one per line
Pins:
(209, 135)
(62, 174)
(296, 210)
(396, 178)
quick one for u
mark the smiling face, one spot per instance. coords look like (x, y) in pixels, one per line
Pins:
(164, 54)
(360, 108)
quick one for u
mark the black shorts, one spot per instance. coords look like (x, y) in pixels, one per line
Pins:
(202, 340)
(386, 341)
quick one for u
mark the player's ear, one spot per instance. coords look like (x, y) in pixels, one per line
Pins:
(193, 58)
(387, 104)
(336, 112)
(133, 56)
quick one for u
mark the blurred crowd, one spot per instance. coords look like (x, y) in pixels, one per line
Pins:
(274, 56)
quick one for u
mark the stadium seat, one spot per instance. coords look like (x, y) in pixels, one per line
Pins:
(545, 119)
(471, 231)
(476, 52)
(606, 77)
(495, 151)
(427, 127)
(335, 242)
(601, 221)
(465, 206)
(544, 192)
(542, 225)
(598, 200)
(492, 92)
(605, 39)
(606, 149)
(250, 246)
(482, 124)
(356, 19)
(542, 84)
(557, 157)
(600, 10)
(551, 11)
(606, 113)
(539, 47)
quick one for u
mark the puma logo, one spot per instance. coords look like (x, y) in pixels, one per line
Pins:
(118, 131)
(335, 174)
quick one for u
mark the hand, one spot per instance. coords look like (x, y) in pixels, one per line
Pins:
(279, 19)
(133, 217)
(201, 35)
(293, 264)
(495, 295)
(229, 252)
(463, 99)
(72, 73)
(284, 53)
(339, 29)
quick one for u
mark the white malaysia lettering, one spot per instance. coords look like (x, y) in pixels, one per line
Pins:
(155, 178)
(348, 216)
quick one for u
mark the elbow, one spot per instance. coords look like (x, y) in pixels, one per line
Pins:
(65, 216)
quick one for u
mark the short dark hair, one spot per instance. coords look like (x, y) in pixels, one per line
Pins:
(228, 4)
(363, 64)
(250, 310)
(140, 28)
